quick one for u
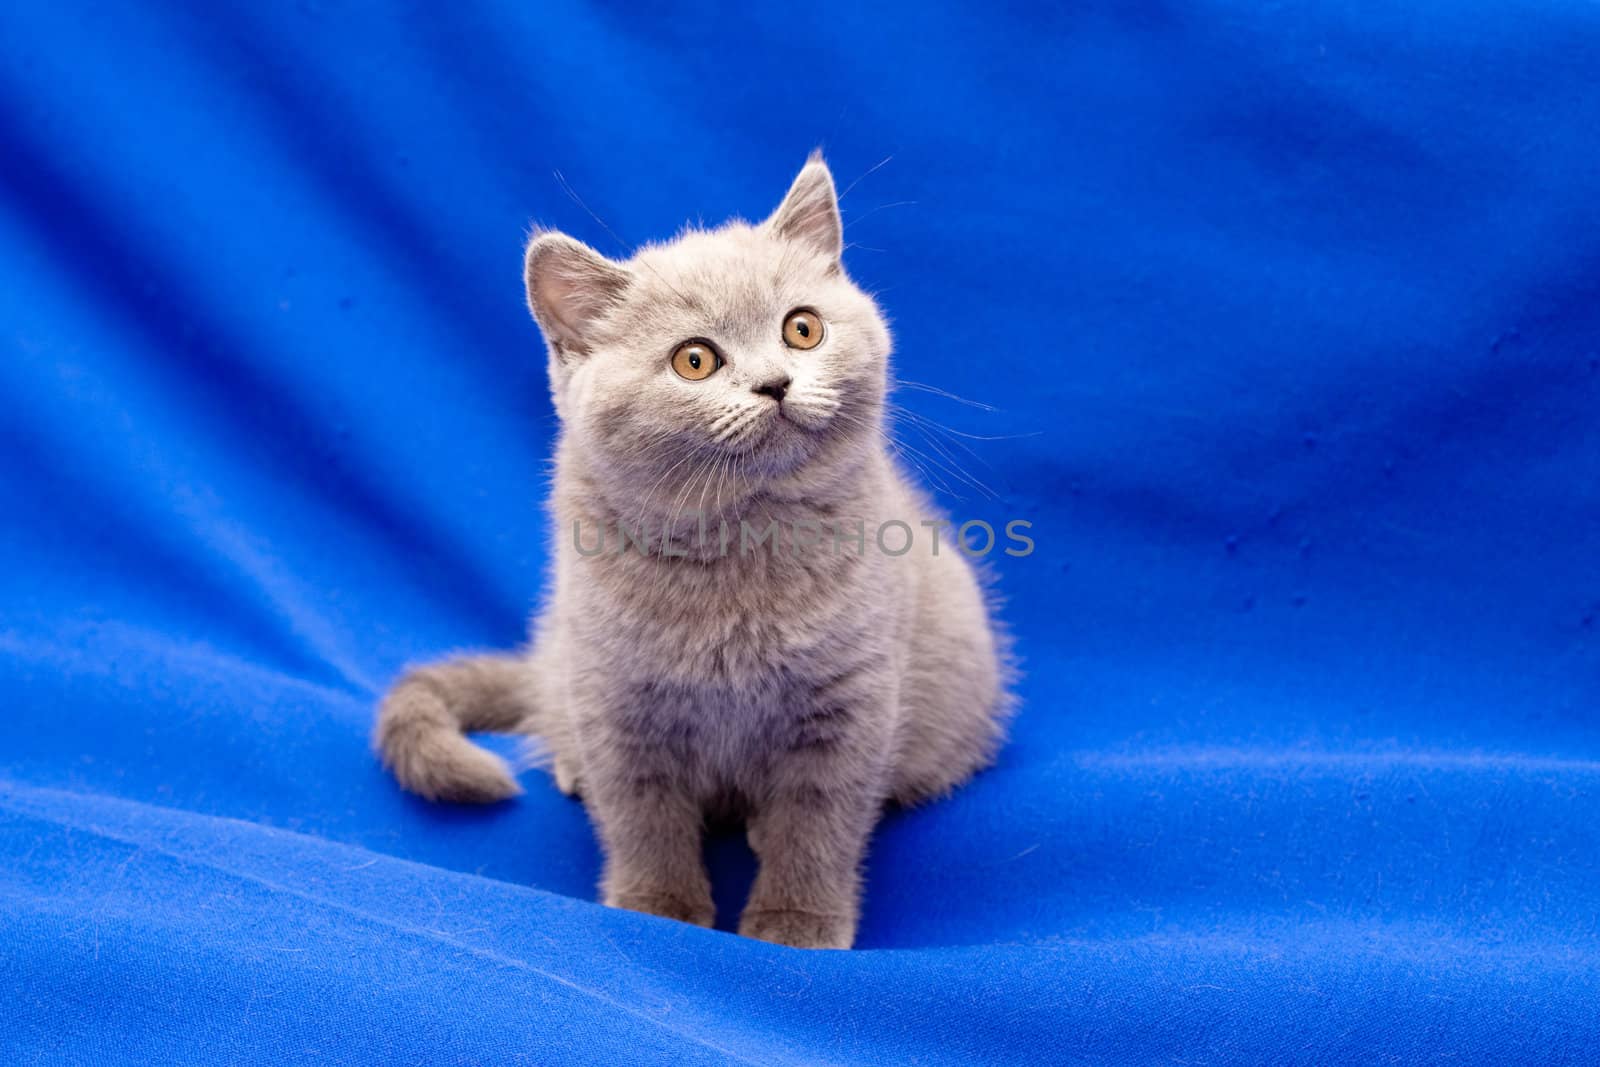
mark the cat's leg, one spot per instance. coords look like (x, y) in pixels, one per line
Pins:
(650, 826)
(810, 841)
(810, 826)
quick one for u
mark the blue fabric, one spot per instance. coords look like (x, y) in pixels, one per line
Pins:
(1287, 321)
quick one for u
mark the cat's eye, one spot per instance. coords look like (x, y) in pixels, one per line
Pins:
(802, 329)
(695, 361)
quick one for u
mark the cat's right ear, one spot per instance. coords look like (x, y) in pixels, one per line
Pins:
(570, 286)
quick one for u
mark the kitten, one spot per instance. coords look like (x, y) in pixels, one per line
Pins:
(801, 684)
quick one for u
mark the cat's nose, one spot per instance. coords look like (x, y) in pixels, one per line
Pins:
(775, 388)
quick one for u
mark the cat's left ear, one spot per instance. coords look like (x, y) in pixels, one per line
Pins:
(810, 213)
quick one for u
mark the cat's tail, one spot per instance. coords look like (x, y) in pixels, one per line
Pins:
(423, 721)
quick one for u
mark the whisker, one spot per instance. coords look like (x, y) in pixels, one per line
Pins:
(898, 409)
(955, 466)
(670, 527)
(927, 464)
(900, 414)
(644, 505)
(573, 193)
(870, 170)
(936, 391)
(945, 467)
(859, 219)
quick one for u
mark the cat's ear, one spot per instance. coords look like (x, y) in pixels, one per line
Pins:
(570, 286)
(810, 213)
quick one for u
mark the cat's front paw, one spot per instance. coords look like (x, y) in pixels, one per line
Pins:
(799, 929)
(698, 911)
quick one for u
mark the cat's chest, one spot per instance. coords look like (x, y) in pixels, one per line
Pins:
(736, 621)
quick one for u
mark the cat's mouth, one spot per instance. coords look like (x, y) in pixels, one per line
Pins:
(810, 417)
(773, 425)
(771, 421)
(776, 436)
(778, 439)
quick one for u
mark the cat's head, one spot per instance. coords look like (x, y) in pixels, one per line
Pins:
(742, 354)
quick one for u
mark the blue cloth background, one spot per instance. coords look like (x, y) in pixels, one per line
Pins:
(1287, 317)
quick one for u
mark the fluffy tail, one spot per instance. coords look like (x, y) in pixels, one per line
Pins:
(422, 722)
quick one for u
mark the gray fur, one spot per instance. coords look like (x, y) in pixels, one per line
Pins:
(800, 690)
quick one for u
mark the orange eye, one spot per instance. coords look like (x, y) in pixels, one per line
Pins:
(695, 361)
(802, 329)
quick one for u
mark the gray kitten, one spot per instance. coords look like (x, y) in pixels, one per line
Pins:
(731, 380)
